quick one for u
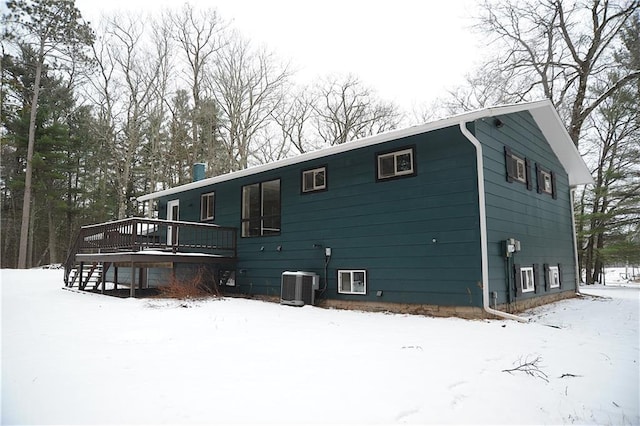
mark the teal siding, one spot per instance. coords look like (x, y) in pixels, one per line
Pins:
(387, 228)
(541, 223)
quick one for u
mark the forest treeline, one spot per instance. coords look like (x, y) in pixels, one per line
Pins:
(95, 115)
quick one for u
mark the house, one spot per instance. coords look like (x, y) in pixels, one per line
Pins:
(469, 215)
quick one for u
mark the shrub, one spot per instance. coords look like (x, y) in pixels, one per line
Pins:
(196, 287)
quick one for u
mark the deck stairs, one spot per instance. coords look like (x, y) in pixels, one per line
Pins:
(91, 276)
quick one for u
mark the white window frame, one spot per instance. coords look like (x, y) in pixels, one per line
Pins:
(527, 278)
(204, 201)
(353, 288)
(395, 156)
(314, 173)
(554, 277)
(520, 169)
(547, 185)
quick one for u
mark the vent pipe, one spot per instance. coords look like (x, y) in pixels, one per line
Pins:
(199, 171)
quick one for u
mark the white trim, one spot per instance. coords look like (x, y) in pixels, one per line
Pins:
(553, 270)
(351, 272)
(395, 155)
(575, 242)
(213, 207)
(170, 205)
(313, 173)
(524, 272)
(543, 113)
(482, 207)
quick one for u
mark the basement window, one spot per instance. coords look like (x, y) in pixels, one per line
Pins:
(554, 277)
(207, 204)
(261, 209)
(396, 164)
(352, 281)
(527, 279)
(314, 179)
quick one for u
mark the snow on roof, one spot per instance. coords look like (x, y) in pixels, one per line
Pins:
(543, 113)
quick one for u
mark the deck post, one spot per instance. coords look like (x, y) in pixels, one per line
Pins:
(115, 277)
(80, 271)
(133, 286)
(103, 278)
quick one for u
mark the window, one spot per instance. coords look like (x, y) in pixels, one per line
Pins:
(527, 280)
(517, 168)
(261, 209)
(554, 277)
(207, 203)
(546, 181)
(395, 164)
(314, 180)
(352, 281)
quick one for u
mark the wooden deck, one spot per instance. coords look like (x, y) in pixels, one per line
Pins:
(139, 244)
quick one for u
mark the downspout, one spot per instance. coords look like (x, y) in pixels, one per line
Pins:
(483, 229)
(575, 240)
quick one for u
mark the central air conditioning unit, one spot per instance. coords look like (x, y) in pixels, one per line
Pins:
(299, 288)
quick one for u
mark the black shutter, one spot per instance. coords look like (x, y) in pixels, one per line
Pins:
(539, 179)
(537, 285)
(560, 275)
(517, 275)
(547, 284)
(554, 194)
(527, 164)
(510, 164)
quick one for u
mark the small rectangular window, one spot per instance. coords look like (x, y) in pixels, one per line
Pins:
(352, 281)
(261, 209)
(527, 279)
(314, 180)
(517, 168)
(546, 181)
(395, 164)
(207, 204)
(554, 277)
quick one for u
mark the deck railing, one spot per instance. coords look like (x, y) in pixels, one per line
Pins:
(136, 234)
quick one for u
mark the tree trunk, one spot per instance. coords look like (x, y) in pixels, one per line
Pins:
(53, 252)
(26, 203)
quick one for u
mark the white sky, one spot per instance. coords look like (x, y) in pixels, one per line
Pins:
(409, 51)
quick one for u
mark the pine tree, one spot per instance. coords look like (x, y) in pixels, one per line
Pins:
(55, 30)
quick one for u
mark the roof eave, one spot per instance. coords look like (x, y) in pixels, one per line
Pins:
(542, 111)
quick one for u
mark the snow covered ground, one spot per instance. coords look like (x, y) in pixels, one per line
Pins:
(70, 358)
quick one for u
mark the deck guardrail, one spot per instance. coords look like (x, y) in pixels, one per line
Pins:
(136, 234)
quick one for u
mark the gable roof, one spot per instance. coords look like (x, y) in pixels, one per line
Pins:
(543, 112)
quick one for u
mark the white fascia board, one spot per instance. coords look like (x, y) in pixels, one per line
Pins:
(393, 135)
(562, 145)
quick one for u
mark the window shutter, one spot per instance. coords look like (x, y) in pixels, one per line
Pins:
(517, 279)
(545, 270)
(560, 275)
(536, 278)
(510, 164)
(539, 178)
(554, 194)
(527, 164)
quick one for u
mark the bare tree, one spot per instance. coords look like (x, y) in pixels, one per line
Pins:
(138, 70)
(489, 85)
(293, 116)
(246, 84)
(199, 35)
(346, 110)
(558, 50)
